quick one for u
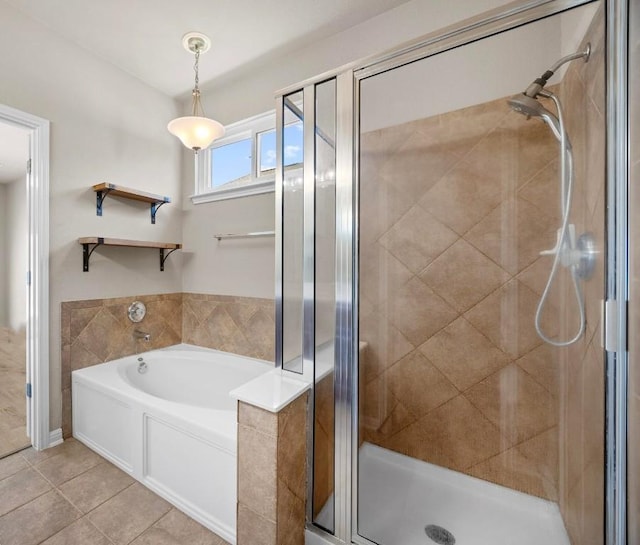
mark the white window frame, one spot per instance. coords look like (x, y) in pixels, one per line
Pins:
(247, 128)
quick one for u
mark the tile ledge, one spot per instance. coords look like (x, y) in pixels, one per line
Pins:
(271, 391)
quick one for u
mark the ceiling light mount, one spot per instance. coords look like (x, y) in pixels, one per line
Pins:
(195, 42)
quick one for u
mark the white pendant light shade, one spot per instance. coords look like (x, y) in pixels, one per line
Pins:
(196, 132)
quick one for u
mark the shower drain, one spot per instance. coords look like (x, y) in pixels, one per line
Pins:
(439, 535)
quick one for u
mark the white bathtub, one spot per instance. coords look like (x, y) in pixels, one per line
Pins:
(172, 428)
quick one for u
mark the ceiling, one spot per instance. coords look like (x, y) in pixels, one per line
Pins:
(14, 151)
(144, 37)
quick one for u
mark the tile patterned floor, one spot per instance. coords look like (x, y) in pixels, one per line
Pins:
(68, 495)
(13, 422)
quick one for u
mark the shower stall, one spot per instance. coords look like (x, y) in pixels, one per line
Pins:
(450, 269)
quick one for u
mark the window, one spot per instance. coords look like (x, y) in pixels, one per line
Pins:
(267, 147)
(231, 164)
(242, 162)
(293, 151)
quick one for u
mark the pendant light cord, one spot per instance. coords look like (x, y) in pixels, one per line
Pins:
(197, 109)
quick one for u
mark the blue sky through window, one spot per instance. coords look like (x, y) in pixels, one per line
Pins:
(293, 147)
(230, 162)
(233, 161)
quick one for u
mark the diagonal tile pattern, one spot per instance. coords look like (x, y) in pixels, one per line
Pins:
(96, 506)
(417, 239)
(242, 325)
(465, 286)
(417, 164)
(463, 197)
(419, 384)
(467, 363)
(581, 383)
(417, 311)
(462, 302)
(454, 371)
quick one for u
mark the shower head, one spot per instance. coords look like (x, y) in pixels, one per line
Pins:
(532, 107)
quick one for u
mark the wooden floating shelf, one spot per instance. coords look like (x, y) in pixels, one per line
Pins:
(104, 189)
(89, 244)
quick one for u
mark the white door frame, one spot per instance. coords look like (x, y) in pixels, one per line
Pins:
(37, 275)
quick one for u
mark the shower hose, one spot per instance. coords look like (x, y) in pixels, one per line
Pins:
(564, 245)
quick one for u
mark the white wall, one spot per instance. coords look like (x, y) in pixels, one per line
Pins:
(16, 253)
(229, 267)
(486, 70)
(4, 296)
(483, 71)
(574, 25)
(251, 93)
(105, 126)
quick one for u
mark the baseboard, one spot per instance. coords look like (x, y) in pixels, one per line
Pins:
(55, 438)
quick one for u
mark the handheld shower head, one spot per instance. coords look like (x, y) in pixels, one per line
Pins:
(531, 107)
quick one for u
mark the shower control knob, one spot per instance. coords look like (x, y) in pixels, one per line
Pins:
(587, 254)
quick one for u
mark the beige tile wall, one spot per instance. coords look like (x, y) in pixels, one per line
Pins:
(582, 383)
(323, 443)
(241, 325)
(324, 437)
(99, 330)
(454, 210)
(272, 462)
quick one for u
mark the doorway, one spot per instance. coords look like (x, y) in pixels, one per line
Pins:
(14, 154)
(26, 273)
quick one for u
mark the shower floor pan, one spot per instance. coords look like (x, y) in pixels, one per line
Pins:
(400, 496)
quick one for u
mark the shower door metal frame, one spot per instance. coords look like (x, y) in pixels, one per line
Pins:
(349, 77)
(617, 273)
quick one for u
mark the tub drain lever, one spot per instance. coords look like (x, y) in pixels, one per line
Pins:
(142, 366)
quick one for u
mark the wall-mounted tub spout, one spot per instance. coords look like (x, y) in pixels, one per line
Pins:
(137, 334)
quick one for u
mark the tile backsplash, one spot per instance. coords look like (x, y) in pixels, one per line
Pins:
(241, 325)
(98, 330)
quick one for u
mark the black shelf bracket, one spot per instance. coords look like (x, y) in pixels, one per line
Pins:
(86, 253)
(154, 208)
(100, 197)
(163, 257)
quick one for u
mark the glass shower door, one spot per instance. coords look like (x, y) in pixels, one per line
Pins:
(481, 393)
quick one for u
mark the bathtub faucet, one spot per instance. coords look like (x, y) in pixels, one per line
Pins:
(137, 334)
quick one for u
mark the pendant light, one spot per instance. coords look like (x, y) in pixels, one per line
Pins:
(196, 131)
